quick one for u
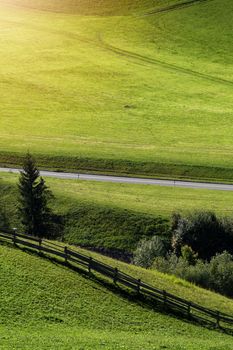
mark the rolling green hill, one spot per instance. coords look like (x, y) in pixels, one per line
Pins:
(45, 305)
(115, 216)
(85, 7)
(122, 86)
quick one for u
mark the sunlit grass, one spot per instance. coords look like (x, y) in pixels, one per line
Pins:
(44, 305)
(65, 93)
(145, 199)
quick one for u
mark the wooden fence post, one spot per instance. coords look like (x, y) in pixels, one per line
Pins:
(115, 275)
(66, 255)
(90, 265)
(138, 286)
(189, 309)
(40, 243)
(164, 298)
(217, 319)
(14, 236)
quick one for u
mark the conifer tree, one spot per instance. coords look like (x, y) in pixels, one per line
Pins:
(34, 196)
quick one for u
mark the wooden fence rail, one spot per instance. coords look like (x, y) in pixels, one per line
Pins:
(165, 299)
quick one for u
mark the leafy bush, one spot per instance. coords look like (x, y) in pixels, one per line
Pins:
(216, 275)
(221, 272)
(204, 232)
(148, 250)
(189, 255)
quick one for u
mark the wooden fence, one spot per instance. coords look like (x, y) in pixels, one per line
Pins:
(160, 297)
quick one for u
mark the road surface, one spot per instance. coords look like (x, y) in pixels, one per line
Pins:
(130, 180)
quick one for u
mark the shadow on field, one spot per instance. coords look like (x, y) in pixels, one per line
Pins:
(126, 294)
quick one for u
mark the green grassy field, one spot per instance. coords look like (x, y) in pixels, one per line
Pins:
(44, 306)
(116, 216)
(98, 86)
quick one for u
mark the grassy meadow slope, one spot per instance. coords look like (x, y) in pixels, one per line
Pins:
(44, 305)
(115, 216)
(85, 7)
(120, 92)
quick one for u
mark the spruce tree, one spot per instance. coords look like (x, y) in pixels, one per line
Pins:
(34, 196)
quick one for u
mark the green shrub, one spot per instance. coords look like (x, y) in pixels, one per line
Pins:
(221, 272)
(216, 275)
(148, 250)
(204, 232)
(189, 255)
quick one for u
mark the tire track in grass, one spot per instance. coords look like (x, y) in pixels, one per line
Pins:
(174, 7)
(132, 56)
(167, 66)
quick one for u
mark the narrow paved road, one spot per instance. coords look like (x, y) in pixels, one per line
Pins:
(130, 180)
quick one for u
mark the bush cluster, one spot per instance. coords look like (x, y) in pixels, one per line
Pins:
(217, 274)
(200, 251)
(147, 250)
(204, 232)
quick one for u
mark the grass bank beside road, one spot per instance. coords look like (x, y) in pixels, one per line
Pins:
(116, 216)
(124, 168)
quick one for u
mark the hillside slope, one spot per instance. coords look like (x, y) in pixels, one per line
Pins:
(48, 306)
(84, 7)
(115, 216)
(148, 91)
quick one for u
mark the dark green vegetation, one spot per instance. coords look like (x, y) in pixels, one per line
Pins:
(45, 305)
(116, 216)
(217, 274)
(126, 94)
(200, 251)
(204, 232)
(34, 195)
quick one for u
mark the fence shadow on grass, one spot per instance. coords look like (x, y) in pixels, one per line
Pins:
(126, 286)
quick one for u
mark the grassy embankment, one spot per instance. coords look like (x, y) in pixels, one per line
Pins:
(44, 305)
(126, 94)
(116, 216)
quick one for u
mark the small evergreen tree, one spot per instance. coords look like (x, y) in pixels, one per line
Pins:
(34, 196)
